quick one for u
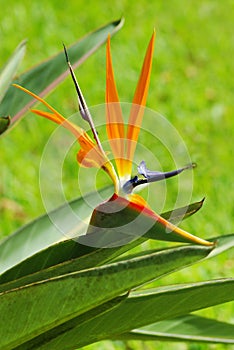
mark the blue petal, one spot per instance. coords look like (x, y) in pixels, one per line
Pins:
(153, 176)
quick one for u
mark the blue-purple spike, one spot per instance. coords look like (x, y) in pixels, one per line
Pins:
(152, 176)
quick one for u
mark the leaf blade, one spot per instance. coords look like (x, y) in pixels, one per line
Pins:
(104, 283)
(41, 233)
(10, 69)
(63, 251)
(144, 308)
(46, 76)
(185, 328)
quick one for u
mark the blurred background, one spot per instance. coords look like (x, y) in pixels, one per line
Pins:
(191, 84)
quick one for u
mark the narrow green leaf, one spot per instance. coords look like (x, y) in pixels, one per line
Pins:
(83, 256)
(79, 257)
(70, 256)
(185, 328)
(223, 243)
(46, 76)
(102, 283)
(10, 69)
(139, 310)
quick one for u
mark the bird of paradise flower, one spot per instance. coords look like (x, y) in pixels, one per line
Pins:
(124, 203)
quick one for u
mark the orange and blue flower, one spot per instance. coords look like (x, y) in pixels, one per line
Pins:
(122, 142)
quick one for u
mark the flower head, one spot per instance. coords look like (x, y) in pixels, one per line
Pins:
(122, 142)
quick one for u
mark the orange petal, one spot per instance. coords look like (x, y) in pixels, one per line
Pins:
(56, 117)
(59, 116)
(79, 133)
(139, 101)
(89, 155)
(47, 115)
(86, 161)
(89, 150)
(114, 118)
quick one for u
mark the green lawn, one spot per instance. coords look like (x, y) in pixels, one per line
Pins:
(191, 84)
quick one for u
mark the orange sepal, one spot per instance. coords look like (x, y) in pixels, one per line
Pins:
(138, 104)
(84, 160)
(47, 115)
(94, 156)
(114, 117)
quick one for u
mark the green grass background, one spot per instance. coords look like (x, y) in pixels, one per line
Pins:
(191, 84)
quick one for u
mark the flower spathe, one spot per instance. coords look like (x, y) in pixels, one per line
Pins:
(123, 144)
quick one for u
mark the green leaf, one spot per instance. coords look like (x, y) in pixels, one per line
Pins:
(222, 243)
(81, 291)
(82, 319)
(185, 328)
(73, 257)
(10, 69)
(138, 310)
(63, 252)
(6, 77)
(41, 233)
(46, 76)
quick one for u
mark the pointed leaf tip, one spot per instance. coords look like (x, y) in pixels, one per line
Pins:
(9, 71)
(114, 118)
(37, 78)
